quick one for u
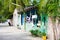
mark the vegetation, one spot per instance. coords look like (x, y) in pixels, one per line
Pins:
(37, 33)
(48, 6)
(5, 13)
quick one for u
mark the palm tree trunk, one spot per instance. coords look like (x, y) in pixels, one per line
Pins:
(50, 29)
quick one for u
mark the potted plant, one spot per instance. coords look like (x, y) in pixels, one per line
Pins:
(44, 36)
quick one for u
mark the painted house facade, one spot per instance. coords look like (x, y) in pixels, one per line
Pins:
(23, 21)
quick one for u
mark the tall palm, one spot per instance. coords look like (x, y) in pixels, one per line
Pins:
(52, 10)
(49, 7)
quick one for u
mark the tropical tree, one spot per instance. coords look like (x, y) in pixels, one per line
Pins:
(6, 9)
(11, 6)
(49, 7)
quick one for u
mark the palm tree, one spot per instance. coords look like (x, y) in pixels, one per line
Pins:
(49, 7)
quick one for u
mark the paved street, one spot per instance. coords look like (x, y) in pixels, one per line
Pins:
(12, 33)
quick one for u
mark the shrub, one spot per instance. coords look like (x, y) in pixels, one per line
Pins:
(34, 32)
(37, 33)
(43, 34)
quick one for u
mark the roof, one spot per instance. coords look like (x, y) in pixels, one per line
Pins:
(30, 8)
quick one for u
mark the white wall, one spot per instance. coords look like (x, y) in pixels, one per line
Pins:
(15, 18)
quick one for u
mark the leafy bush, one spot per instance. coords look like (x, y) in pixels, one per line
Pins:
(43, 34)
(37, 33)
(2, 20)
(34, 32)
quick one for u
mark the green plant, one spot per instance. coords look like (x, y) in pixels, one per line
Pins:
(43, 34)
(34, 32)
(37, 33)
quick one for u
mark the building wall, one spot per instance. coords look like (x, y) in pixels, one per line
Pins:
(15, 18)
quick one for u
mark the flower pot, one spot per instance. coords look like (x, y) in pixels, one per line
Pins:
(43, 37)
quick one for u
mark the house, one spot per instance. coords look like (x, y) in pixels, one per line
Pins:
(20, 19)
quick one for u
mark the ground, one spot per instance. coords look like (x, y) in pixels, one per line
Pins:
(12, 33)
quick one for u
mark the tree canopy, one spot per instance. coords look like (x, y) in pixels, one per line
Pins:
(51, 7)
